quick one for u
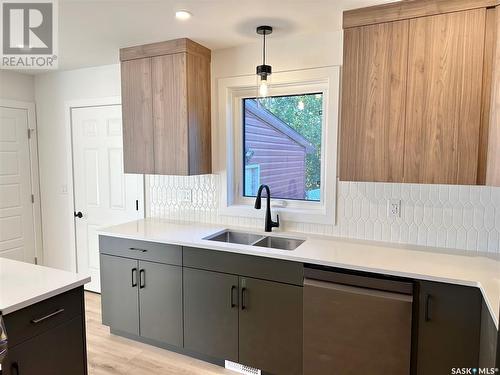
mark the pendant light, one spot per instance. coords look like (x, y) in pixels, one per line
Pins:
(263, 71)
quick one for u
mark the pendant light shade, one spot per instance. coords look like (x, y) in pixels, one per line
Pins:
(263, 71)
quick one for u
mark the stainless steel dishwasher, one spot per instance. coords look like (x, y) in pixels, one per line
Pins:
(355, 324)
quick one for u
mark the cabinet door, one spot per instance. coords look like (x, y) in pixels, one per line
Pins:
(373, 102)
(443, 112)
(211, 313)
(119, 296)
(270, 326)
(449, 328)
(137, 116)
(170, 114)
(59, 351)
(160, 296)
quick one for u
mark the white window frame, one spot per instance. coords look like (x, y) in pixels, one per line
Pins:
(229, 141)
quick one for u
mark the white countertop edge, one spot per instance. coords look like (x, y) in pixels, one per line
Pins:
(288, 255)
(41, 297)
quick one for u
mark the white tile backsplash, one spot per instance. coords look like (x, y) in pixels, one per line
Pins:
(461, 217)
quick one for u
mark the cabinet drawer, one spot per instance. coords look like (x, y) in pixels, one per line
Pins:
(43, 316)
(142, 250)
(244, 265)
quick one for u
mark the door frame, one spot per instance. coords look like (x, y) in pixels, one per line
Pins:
(68, 107)
(30, 109)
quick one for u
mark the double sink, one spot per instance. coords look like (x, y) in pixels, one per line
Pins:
(251, 239)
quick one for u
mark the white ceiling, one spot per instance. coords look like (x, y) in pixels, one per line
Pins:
(92, 31)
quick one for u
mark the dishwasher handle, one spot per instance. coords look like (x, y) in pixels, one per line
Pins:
(358, 290)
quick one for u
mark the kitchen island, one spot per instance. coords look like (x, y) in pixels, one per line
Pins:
(44, 317)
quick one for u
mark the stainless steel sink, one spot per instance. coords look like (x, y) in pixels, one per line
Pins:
(280, 243)
(241, 238)
(244, 238)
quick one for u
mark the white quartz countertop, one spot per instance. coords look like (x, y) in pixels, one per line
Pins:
(24, 284)
(455, 267)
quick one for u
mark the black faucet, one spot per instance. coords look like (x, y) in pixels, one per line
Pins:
(270, 224)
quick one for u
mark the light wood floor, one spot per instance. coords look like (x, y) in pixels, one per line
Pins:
(111, 355)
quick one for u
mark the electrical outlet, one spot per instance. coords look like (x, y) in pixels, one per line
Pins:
(394, 208)
(185, 195)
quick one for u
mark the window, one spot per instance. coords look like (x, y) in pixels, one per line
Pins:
(287, 140)
(282, 145)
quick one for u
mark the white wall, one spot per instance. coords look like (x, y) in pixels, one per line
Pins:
(299, 52)
(17, 86)
(53, 90)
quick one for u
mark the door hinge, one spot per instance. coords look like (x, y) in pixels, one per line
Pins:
(137, 204)
(29, 133)
(32, 198)
(36, 260)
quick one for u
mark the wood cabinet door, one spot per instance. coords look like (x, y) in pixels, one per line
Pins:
(448, 328)
(171, 156)
(119, 295)
(443, 110)
(137, 116)
(373, 102)
(59, 351)
(211, 313)
(160, 302)
(270, 326)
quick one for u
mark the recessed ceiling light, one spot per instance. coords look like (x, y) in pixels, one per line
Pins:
(183, 15)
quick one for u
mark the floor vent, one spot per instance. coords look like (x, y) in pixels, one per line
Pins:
(242, 369)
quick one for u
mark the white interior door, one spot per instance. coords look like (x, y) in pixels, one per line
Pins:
(17, 232)
(103, 193)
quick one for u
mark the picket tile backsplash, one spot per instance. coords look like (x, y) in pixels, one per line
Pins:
(457, 217)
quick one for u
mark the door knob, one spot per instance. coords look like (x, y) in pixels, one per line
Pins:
(78, 214)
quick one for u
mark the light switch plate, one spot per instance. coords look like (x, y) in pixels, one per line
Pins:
(394, 208)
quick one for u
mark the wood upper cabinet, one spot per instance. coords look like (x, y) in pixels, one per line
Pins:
(166, 108)
(418, 103)
(137, 108)
(373, 102)
(492, 156)
(443, 114)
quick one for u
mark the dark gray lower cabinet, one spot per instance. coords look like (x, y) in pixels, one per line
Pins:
(211, 313)
(48, 337)
(160, 298)
(59, 351)
(270, 326)
(142, 298)
(448, 328)
(120, 300)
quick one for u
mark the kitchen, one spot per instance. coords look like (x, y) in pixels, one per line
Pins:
(269, 187)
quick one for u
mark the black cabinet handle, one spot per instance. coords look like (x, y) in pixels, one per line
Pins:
(428, 301)
(232, 296)
(134, 277)
(78, 214)
(39, 320)
(142, 279)
(14, 366)
(137, 249)
(243, 293)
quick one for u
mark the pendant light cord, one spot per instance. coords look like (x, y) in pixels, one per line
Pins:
(264, 50)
